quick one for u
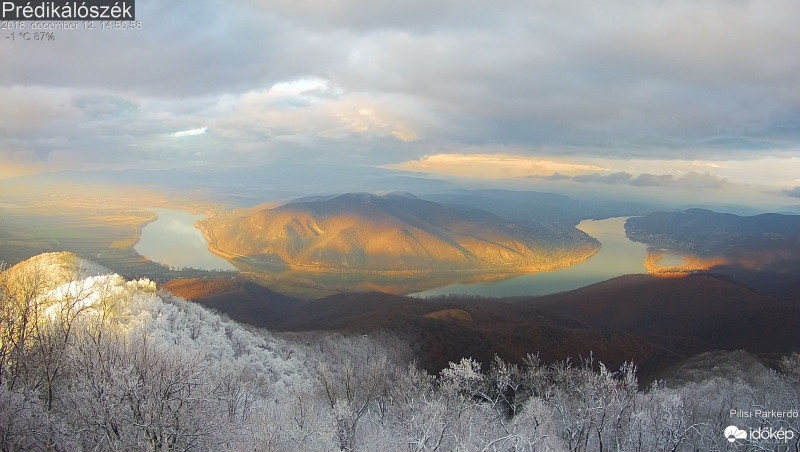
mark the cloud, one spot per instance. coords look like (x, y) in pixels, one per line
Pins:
(190, 132)
(583, 84)
(489, 165)
(104, 107)
(653, 180)
(615, 178)
(382, 82)
(794, 192)
(556, 177)
(692, 179)
(8, 169)
(699, 180)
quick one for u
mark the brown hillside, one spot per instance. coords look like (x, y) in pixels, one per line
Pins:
(687, 314)
(654, 321)
(240, 299)
(392, 233)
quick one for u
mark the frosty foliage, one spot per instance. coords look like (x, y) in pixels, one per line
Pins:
(95, 362)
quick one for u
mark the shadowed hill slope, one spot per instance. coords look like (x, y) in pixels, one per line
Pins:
(687, 315)
(654, 321)
(240, 299)
(761, 251)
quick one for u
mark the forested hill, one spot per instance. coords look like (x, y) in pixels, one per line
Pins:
(761, 251)
(398, 232)
(90, 361)
(657, 322)
(707, 233)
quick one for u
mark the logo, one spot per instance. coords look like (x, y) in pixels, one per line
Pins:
(733, 433)
(768, 434)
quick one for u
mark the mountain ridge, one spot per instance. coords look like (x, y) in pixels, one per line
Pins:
(656, 321)
(761, 251)
(395, 232)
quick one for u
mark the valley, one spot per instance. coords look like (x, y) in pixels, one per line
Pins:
(271, 287)
(668, 327)
(375, 226)
(98, 222)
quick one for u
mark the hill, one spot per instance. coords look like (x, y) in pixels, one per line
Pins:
(707, 233)
(539, 206)
(656, 322)
(761, 251)
(685, 315)
(240, 299)
(394, 233)
(104, 363)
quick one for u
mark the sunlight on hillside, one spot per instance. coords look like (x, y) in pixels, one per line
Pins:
(691, 264)
(450, 314)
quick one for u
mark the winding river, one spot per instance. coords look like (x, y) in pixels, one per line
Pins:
(173, 240)
(617, 256)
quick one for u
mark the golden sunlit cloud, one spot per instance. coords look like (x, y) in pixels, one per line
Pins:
(306, 110)
(706, 164)
(491, 166)
(369, 121)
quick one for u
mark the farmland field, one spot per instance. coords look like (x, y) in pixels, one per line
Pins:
(100, 223)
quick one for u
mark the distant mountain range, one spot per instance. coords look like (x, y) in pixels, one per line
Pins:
(250, 185)
(397, 232)
(540, 206)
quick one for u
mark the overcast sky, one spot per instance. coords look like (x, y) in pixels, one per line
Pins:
(700, 94)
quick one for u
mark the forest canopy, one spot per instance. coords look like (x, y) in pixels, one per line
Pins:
(90, 361)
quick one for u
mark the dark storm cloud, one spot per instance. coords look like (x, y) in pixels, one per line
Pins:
(622, 78)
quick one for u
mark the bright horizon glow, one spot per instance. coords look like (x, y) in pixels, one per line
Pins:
(771, 173)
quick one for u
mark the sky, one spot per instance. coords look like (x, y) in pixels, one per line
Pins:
(693, 95)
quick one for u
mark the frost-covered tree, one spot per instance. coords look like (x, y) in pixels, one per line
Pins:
(351, 391)
(90, 361)
(20, 313)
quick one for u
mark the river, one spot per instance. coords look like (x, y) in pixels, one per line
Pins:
(617, 256)
(173, 240)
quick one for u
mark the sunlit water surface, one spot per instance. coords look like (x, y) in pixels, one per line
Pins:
(173, 240)
(617, 256)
